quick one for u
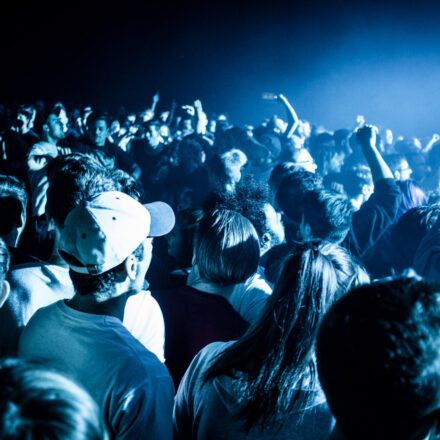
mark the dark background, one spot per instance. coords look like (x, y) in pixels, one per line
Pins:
(334, 60)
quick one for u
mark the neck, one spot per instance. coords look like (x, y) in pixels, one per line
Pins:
(90, 304)
(209, 287)
(49, 139)
(55, 257)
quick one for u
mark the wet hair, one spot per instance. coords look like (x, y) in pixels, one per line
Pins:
(13, 202)
(378, 357)
(36, 403)
(226, 248)
(328, 214)
(5, 259)
(73, 179)
(276, 354)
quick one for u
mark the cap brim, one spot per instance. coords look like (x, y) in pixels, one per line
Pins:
(162, 218)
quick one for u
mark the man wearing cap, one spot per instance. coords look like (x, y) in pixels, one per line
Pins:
(107, 244)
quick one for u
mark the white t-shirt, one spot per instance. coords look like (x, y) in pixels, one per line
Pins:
(249, 298)
(132, 388)
(38, 285)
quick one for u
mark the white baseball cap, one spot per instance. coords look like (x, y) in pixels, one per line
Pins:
(103, 232)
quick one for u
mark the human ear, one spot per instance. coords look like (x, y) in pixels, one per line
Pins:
(130, 265)
(5, 288)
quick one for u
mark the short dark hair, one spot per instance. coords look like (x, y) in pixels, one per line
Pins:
(85, 284)
(378, 358)
(98, 116)
(74, 179)
(328, 214)
(38, 403)
(292, 190)
(226, 248)
(13, 202)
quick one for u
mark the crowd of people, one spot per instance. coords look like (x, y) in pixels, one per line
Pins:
(165, 274)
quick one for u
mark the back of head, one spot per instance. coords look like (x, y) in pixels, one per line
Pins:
(72, 180)
(226, 249)
(277, 351)
(37, 403)
(328, 215)
(408, 232)
(378, 359)
(292, 190)
(13, 202)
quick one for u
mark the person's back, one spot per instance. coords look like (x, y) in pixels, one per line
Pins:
(135, 382)
(226, 253)
(107, 243)
(213, 406)
(265, 385)
(193, 319)
(73, 179)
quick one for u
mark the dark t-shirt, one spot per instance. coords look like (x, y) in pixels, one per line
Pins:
(368, 225)
(194, 319)
(110, 156)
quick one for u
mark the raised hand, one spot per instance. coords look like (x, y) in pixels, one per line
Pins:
(367, 134)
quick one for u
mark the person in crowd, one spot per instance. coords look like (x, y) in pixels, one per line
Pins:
(18, 139)
(265, 385)
(329, 155)
(107, 243)
(225, 170)
(277, 175)
(40, 155)
(377, 356)
(396, 249)
(399, 166)
(252, 200)
(226, 253)
(38, 403)
(13, 204)
(97, 144)
(326, 216)
(72, 181)
(367, 224)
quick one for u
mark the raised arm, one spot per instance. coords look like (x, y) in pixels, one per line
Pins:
(292, 117)
(435, 138)
(366, 137)
(201, 121)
